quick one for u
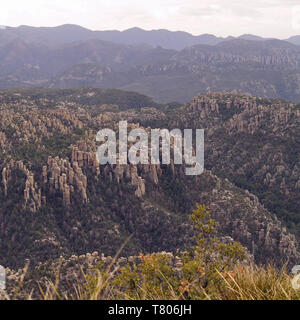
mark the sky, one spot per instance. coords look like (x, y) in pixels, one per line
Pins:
(268, 18)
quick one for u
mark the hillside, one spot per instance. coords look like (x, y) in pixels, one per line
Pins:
(168, 66)
(57, 200)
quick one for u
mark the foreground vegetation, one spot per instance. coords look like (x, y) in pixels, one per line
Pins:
(213, 269)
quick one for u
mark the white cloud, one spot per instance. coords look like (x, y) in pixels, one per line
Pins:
(272, 18)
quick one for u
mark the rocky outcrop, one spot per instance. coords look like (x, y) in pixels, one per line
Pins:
(80, 204)
(67, 178)
(254, 143)
(32, 193)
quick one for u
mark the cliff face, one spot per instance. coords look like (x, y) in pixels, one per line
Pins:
(63, 202)
(270, 52)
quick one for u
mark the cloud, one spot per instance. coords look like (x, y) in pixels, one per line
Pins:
(271, 18)
(209, 10)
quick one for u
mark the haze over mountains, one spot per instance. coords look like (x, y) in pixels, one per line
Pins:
(67, 33)
(168, 66)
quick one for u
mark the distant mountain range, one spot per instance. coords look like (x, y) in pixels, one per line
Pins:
(67, 33)
(168, 66)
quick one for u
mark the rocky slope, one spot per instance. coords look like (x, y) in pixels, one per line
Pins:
(57, 200)
(254, 143)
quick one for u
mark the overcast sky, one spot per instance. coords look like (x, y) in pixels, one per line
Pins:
(270, 18)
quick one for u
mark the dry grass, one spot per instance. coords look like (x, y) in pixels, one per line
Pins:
(258, 283)
(215, 271)
(242, 283)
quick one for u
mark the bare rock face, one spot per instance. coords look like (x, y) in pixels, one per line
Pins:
(5, 175)
(2, 139)
(32, 193)
(138, 182)
(59, 174)
(247, 113)
(67, 178)
(84, 158)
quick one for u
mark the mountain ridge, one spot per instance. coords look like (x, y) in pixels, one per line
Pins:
(66, 33)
